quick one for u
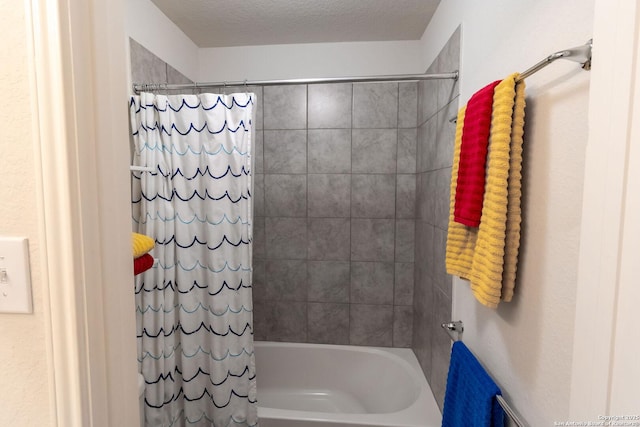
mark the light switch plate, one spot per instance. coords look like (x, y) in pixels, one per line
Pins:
(15, 277)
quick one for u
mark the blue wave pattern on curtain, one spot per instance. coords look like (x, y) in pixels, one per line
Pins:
(194, 308)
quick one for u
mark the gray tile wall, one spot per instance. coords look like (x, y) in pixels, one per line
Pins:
(437, 104)
(335, 214)
(331, 264)
(148, 68)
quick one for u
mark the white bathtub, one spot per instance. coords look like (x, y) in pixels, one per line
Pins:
(317, 385)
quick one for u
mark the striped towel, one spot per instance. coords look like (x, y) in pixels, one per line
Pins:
(488, 256)
(142, 264)
(470, 396)
(473, 157)
(141, 244)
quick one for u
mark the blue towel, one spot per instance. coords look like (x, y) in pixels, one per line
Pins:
(470, 398)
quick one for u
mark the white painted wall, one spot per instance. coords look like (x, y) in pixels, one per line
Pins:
(25, 369)
(309, 61)
(527, 344)
(147, 25)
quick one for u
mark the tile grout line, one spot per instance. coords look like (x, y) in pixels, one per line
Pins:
(307, 208)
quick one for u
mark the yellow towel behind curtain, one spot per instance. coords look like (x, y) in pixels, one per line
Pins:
(141, 244)
(487, 256)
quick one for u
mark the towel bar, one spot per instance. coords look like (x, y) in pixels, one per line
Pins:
(455, 329)
(507, 409)
(141, 168)
(580, 54)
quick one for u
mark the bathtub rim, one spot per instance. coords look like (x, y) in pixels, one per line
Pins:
(423, 412)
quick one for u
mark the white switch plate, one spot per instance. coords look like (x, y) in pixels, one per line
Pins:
(15, 277)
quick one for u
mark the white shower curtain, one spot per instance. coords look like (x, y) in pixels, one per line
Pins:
(194, 308)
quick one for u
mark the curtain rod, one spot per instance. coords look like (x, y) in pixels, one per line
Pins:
(138, 87)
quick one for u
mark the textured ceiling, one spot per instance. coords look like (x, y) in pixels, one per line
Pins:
(218, 23)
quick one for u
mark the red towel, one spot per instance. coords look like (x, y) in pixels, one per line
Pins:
(142, 264)
(473, 156)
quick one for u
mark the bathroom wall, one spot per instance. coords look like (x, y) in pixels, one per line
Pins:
(437, 105)
(146, 67)
(146, 24)
(527, 344)
(334, 229)
(334, 205)
(296, 61)
(27, 376)
(150, 27)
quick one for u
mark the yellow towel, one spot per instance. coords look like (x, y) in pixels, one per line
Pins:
(141, 244)
(488, 256)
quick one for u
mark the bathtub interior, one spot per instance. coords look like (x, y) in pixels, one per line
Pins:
(318, 384)
(368, 380)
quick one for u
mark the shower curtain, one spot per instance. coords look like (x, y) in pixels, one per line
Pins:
(194, 308)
